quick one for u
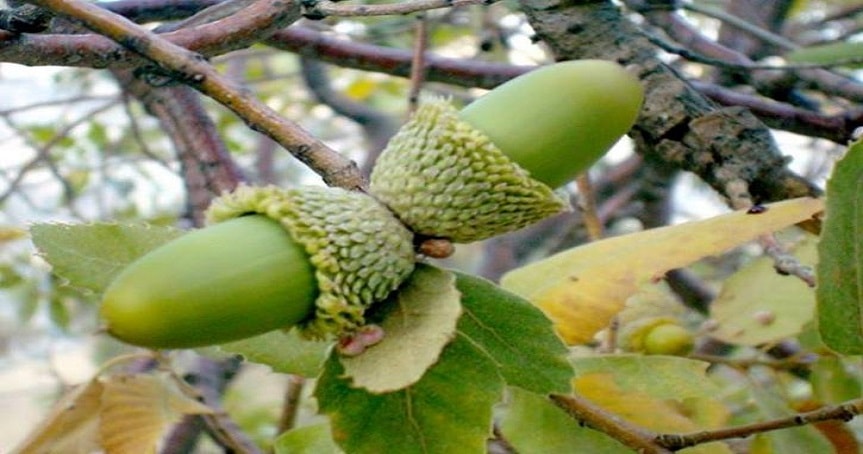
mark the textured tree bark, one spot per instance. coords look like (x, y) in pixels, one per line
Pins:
(729, 148)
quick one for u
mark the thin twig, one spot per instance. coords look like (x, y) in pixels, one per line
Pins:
(418, 63)
(378, 126)
(784, 262)
(53, 103)
(680, 30)
(631, 435)
(138, 135)
(207, 381)
(329, 8)
(741, 24)
(191, 69)
(291, 403)
(746, 363)
(691, 55)
(43, 151)
(238, 31)
(206, 165)
(587, 206)
(842, 412)
(143, 11)
(837, 127)
(205, 16)
(470, 73)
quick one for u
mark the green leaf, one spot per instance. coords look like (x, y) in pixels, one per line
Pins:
(284, 352)
(515, 334)
(748, 315)
(583, 288)
(533, 425)
(419, 320)
(448, 411)
(500, 337)
(664, 377)
(88, 256)
(314, 439)
(840, 257)
(832, 381)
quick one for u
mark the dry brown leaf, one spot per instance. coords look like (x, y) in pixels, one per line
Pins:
(72, 425)
(137, 409)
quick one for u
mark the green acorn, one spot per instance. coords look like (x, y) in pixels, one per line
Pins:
(275, 258)
(490, 168)
(660, 335)
(316, 258)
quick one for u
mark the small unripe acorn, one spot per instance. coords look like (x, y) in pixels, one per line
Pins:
(490, 168)
(275, 258)
(659, 335)
(668, 339)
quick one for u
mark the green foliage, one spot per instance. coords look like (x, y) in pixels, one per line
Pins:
(501, 340)
(746, 314)
(664, 394)
(314, 439)
(840, 264)
(447, 411)
(515, 335)
(284, 352)
(833, 382)
(533, 425)
(89, 256)
(443, 385)
(663, 377)
(418, 321)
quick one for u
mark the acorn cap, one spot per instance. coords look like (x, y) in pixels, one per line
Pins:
(444, 178)
(360, 251)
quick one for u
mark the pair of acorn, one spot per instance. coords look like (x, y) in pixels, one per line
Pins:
(317, 258)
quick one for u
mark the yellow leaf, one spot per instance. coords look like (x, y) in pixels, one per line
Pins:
(136, 410)
(72, 425)
(583, 288)
(661, 416)
(635, 407)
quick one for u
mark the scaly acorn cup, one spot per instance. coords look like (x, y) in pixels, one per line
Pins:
(491, 167)
(275, 258)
